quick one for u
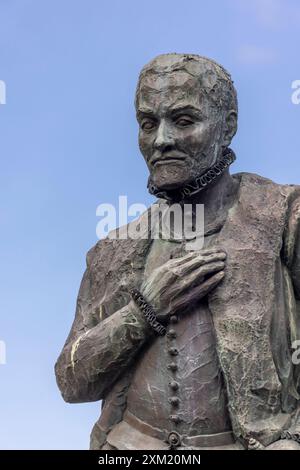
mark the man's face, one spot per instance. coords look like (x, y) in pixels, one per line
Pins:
(180, 132)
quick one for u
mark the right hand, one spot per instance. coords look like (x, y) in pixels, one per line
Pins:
(177, 284)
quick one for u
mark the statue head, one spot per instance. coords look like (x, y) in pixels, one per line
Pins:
(186, 108)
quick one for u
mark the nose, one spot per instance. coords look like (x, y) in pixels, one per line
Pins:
(164, 138)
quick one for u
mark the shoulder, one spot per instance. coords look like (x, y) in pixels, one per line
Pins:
(265, 187)
(291, 248)
(121, 241)
(275, 199)
(249, 179)
(114, 265)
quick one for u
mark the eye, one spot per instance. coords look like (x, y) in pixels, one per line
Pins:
(148, 125)
(184, 121)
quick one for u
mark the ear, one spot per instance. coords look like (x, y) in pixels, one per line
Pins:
(230, 127)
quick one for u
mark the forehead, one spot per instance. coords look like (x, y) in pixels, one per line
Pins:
(160, 92)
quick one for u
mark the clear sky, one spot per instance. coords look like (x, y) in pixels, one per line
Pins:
(68, 142)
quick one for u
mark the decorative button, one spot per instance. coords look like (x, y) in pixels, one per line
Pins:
(174, 439)
(174, 385)
(173, 351)
(175, 419)
(174, 319)
(172, 333)
(174, 401)
(172, 366)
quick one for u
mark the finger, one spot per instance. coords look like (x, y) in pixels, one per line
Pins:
(202, 289)
(197, 261)
(197, 293)
(183, 259)
(205, 270)
(195, 254)
(202, 260)
(195, 277)
(187, 283)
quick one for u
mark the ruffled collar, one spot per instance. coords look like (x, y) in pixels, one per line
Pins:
(198, 184)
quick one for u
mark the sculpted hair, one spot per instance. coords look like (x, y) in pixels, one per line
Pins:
(214, 79)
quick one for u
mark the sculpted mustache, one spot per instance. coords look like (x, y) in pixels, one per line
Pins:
(167, 156)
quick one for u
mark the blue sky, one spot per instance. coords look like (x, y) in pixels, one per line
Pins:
(68, 142)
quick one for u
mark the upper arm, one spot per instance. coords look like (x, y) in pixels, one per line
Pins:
(292, 245)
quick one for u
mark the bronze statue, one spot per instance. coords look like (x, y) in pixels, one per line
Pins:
(193, 349)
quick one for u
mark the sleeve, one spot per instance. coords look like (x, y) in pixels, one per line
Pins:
(95, 355)
(292, 245)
